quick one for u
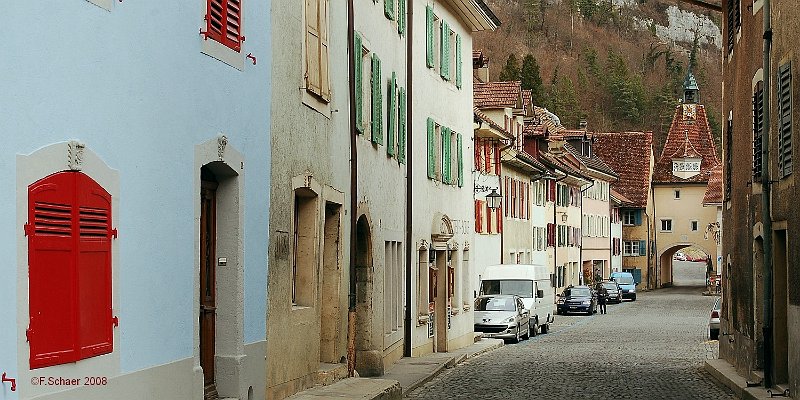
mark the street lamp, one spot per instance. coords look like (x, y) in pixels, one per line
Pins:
(493, 199)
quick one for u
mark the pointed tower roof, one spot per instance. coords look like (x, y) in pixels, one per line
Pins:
(689, 137)
(690, 83)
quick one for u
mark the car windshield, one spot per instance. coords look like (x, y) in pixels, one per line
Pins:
(624, 280)
(495, 304)
(610, 286)
(577, 292)
(519, 288)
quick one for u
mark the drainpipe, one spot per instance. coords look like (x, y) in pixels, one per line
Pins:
(351, 310)
(409, 175)
(657, 263)
(766, 218)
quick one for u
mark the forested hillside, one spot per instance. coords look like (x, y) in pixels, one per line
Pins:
(619, 65)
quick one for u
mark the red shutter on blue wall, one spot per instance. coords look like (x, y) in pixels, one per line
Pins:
(69, 258)
(223, 22)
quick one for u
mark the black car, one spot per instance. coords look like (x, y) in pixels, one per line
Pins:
(577, 299)
(614, 291)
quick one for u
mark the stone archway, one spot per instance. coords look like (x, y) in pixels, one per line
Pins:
(440, 277)
(369, 361)
(695, 277)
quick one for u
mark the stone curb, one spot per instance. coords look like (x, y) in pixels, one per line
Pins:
(727, 375)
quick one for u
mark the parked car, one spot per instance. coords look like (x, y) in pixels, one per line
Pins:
(614, 291)
(577, 299)
(626, 283)
(530, 282)
(679, 256)
(501, 316)
(713, 322)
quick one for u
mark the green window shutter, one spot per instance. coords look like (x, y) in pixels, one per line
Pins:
(460, 155)
(446, 155)
(401, 127)
(359, 68)
(377, 101)
(431, 149)
(444, 50)
(388, 9)
(429, 36)
(637, 217)
(392, 110)
(642, 247)
(458, 61)
(401, 17)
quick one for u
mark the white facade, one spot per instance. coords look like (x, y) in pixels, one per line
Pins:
(442, 226)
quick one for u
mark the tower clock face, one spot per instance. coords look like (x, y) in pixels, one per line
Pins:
(690, 111)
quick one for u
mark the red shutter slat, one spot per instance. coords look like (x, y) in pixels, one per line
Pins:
(478, 216)
(487, 160)
(500, 219)
(478, 149)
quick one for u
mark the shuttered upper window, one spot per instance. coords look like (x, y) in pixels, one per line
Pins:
(785, 120)
(734, 21)
(758, 128)
(224, 22)
(316, 68)
(69, 260)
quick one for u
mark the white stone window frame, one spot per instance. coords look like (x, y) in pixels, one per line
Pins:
(664, 222)
(219, 51)
(630, 248)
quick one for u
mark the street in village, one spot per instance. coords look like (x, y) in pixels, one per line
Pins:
(653, 348)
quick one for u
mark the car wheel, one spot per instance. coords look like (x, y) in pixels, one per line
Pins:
(589, 312)
(713, 334)
(545, 328)
(633, 298)
(527, 334)
(532, 330)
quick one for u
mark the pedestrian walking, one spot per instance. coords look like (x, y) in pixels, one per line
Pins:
(602, 297)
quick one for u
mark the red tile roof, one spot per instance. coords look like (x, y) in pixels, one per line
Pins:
(594, 162)
(714, 189)
(498, 94)
(628, 154)
(622, 199)
(700, 143)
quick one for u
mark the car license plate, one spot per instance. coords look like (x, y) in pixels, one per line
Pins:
(572, 307)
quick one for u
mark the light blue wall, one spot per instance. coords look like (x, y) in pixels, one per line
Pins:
(133, 85)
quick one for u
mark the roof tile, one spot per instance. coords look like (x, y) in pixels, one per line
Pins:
(689, 137)
(628, 154)
(497, 94)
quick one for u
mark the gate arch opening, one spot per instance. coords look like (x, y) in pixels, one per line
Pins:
(684, 264)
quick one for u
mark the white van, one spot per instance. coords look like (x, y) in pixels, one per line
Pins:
(530, 282)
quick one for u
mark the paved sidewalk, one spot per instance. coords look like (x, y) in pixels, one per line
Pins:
(405, 375)
(727, 374)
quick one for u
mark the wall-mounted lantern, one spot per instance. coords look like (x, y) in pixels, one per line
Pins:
(493, 199)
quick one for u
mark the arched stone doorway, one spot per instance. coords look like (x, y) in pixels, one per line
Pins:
(369, 361)
(440, 278)
(683, 264)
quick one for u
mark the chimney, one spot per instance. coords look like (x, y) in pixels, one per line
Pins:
(582, 124)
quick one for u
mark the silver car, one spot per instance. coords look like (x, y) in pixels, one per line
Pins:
(501, 316)
(713, 322)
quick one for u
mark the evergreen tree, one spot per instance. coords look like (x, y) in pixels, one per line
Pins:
(511, 70)
(531, 78)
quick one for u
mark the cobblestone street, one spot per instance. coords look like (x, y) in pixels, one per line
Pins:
(653, 348)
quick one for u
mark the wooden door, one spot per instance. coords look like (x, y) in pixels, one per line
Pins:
(208, 236)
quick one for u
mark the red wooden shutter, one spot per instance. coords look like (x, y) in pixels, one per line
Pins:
(51, 261)
(508, 194)
(496, 159)
(488, 219)
(524, 201)
(551, 190)
(94, 268)
(478, 217)
(551, 235)
(223, 22)
(500, 219)
(69, 257)
(478, 151)
(487, 160)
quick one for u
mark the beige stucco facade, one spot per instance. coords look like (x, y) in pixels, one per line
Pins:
(681, 207)
(309, 269)
(596, 231)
